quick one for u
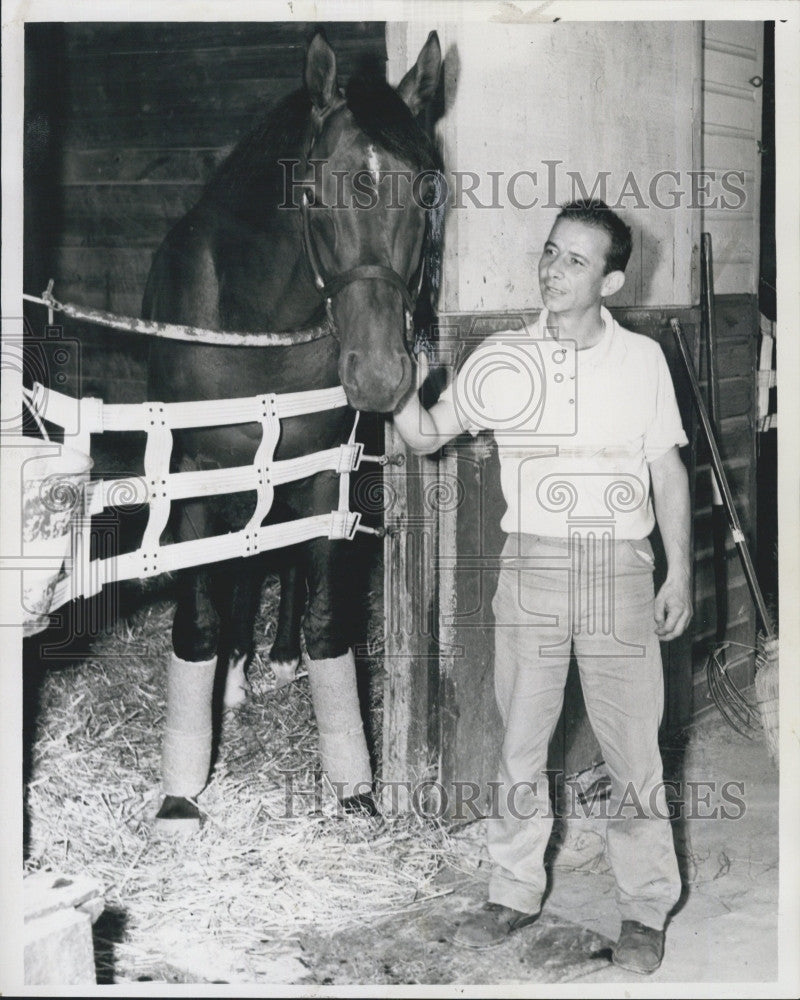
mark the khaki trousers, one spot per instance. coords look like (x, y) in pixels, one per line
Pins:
(595, 595)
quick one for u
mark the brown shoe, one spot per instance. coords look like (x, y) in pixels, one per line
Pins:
(640, 948)
(491, 925)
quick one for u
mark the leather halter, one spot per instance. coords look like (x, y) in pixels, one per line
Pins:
(362, 272)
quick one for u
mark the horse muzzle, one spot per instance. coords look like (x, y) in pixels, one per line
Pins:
(375, 382)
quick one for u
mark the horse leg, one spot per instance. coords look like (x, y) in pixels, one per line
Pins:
(186, 746)
(285, 653)
(332, 678)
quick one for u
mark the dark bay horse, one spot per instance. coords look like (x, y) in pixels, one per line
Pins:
(251, 256)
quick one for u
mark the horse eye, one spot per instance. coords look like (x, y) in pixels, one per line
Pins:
(428, 194)
(311, 197)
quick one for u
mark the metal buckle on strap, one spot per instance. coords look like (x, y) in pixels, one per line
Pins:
(349, 457)
(344, 525)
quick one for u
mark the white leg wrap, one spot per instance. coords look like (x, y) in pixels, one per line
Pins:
(342, 744)
(186, 749)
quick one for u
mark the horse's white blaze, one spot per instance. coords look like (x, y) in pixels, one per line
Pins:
(374, 163)
(237, 686)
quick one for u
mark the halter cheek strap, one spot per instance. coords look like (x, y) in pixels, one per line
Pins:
(363, 272)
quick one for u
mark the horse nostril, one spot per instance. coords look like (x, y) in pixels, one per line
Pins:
(375, 385)
(406, 372)
(350, 363)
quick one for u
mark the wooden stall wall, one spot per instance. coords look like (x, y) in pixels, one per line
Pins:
(733, 55)
(125, 123)
(546, 104)
(737, 339)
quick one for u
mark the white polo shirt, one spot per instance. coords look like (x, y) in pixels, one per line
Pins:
(575, 430)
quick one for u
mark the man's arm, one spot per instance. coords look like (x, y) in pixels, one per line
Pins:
(425, 431)
(673, 608)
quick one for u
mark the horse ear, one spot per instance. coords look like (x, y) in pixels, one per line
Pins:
(320, 72)
(419, 84)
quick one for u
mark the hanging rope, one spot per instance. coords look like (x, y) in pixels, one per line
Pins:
(172, 331)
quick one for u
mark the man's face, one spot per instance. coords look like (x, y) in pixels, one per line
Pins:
(572, 267)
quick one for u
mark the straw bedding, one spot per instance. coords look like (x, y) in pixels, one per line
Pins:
(234, 902)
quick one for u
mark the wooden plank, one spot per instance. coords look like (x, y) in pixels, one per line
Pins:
(733, 361)
(140, 166)
(410, 652)
(733, 55)
(736, 396)
(127, 95)
(181, 127)
(123, 215)
(744, 508)
(703, 531)
(735, 439)
(137, 200)
(109, 231)
(739, 604)
(470, 722)
(738, 473)
(85, 38)
(735, 104)
(737, 317)
(731, 35)
(122, 303)
(86, 271)
(213, 70)
(704, 576)
(739, 631)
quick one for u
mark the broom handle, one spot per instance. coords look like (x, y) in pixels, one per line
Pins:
(718, 525)
(722, 479)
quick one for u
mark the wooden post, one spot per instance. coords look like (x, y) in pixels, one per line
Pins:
(410, 602)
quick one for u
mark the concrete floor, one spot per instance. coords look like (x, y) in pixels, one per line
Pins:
(725, 928)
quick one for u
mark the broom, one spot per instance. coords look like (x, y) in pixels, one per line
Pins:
(766, 681)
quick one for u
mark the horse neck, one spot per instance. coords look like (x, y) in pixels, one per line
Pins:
(280, 269)
(263, 265)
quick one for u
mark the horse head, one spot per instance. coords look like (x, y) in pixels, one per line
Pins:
(370, 180)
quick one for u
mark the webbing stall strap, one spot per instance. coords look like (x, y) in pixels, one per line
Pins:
(158, 487)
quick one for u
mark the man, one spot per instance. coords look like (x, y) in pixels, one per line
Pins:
(577, 571)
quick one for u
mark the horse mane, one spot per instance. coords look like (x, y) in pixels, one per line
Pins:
(386, 120)
(255, 158)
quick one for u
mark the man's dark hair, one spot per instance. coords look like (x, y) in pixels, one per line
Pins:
(596, 213)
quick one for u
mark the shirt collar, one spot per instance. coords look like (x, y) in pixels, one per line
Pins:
(598, 352)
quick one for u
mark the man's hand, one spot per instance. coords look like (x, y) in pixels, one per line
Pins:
(425, 431)
(673, 607)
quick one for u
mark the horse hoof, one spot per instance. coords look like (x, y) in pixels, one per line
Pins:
(177, 817)
(360, 806)
(237, 686)
(235, 695)
(285, 671)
